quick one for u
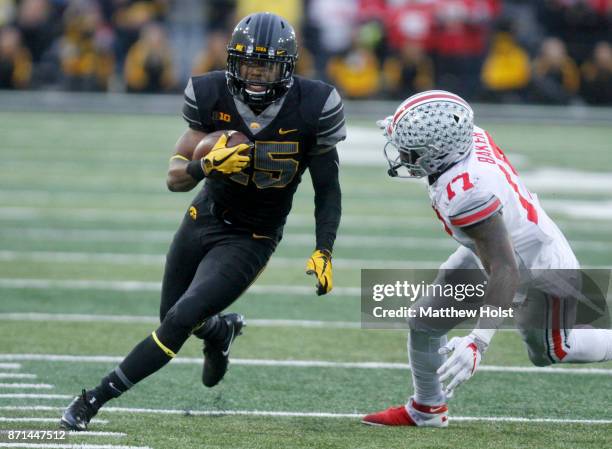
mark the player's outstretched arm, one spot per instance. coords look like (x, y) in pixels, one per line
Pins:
(179, 179)
(324, 170)
(496, 253)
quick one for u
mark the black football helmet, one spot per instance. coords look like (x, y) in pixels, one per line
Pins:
(261, 58)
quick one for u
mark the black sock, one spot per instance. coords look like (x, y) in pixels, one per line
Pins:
(110, 387)
(146, 358)
(214, 328)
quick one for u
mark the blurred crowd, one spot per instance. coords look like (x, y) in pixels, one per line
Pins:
(543, 51)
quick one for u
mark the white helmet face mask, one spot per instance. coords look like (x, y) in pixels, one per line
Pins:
(428, 132)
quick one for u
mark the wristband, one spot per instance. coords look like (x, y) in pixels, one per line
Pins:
(179, 157)
(325, 251)
(195, 170)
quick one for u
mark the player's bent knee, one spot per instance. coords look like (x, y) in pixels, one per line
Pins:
(536, 347)
(173, 331)
(539, 358)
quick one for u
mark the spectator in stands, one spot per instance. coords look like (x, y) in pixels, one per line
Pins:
(409, 72)
(578, 23)
(85, 50)
(130, 17)
(462, 31)
(411, 23)
(220, 15)
(332, 23)
(523, 16)
(35, 20)
(506, 71)
(357, 73)
(7, 12)
(597, 75)
(214, 56)
(148, 66)
(291, 10)
(15, 60)
(556, 78)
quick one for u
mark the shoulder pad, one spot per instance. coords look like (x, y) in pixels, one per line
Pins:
(208, 86)
(313, 94)
(207, 89)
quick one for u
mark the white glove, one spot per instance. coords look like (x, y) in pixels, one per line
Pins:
(462, 364)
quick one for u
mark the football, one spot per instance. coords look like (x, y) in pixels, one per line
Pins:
(206, 144)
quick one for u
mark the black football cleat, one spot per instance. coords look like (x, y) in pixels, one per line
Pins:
(216, 353)
(79, 413)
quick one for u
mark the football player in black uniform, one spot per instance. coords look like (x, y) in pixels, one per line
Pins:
(235, 222)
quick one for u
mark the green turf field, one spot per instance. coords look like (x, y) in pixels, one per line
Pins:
(85, 221)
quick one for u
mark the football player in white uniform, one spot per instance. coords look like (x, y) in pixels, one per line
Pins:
(502, 229)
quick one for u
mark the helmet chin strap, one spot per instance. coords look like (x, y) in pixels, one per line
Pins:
(392, 172)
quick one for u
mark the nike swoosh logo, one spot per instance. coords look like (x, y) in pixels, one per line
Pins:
(286, 131)
(437, 409)
(217, 162)
(226, 352)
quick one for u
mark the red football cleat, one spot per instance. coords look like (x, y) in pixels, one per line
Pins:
(393, 416)
(416, 415)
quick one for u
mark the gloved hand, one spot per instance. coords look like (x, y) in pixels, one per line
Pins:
(384, 125)
(225, 160)
(320, 265)
(462, 364)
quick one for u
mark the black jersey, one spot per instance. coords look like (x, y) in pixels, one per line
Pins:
(307, 121)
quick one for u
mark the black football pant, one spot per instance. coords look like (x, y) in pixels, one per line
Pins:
(209, 265)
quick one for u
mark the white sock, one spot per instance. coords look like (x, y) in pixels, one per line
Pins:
(424, 361)
(589, 345)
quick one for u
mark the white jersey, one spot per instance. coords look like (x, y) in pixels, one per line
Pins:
(485, 183)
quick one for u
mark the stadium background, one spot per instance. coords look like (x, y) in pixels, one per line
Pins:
(85, 219)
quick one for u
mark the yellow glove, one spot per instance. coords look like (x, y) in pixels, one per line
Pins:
(225, 160)
(320, 265)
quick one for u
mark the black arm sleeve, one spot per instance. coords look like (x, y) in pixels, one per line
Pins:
(324, 170)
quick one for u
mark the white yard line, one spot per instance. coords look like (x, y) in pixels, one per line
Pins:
(10, 365)
(348, 220)
(17, 376)
(90, 433)
(303, 364)
(26, 386)
(158, 259)
(44, 420)
(71, 433)
(75, 284)
(150, 319)
(136, 215)
(343, 241)
(290, 239)
(301, 414)
(83, 318)
(35, 396)
(595, 209)
(68, 446)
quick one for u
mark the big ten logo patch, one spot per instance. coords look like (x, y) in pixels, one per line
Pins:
(222, 116)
